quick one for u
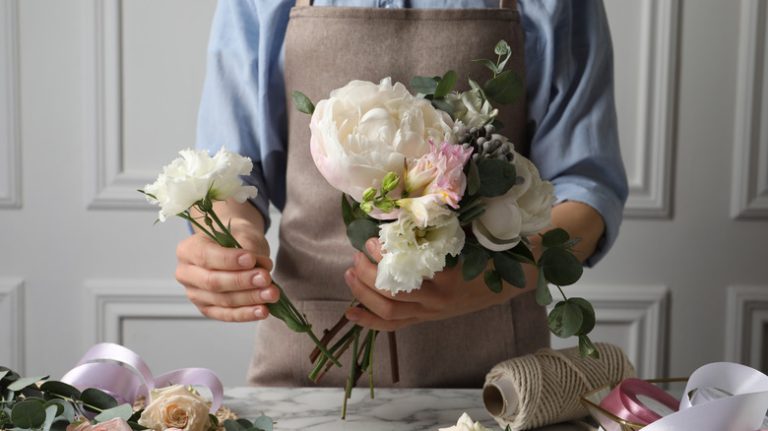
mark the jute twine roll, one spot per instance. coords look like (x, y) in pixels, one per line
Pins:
(544, 388)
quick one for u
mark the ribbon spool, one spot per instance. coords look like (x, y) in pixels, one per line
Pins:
(122, 373)
(639, 402)
(544, 388)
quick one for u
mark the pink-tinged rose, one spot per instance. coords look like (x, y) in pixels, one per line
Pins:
(365, 130)
(440, 172)
(116, 424)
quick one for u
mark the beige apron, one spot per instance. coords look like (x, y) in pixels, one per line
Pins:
(325, 48)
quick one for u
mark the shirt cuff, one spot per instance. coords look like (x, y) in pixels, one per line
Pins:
(261, 201)
(599, 197)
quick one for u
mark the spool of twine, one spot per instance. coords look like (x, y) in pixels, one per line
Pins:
(545, 388)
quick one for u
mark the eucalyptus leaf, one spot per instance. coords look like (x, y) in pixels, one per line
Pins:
(136, 426)
(565, 319)
(244, 422)
(442, 105)
(424, 84)
(50, 416)
(522, 253)
(473, 178)
(3, 373)
(496, 176)
(264, 423)
(555, 238)
(509, 269)
(25, 382)
(446, 84)
(493, 281)
(587, 349)
(232, 425)
(98, 399)
(502, 48)
(489, 64)
(543, 295)
(60, 388)
(588, 312)
(123, 411)
(64, 409)
(451, 261)
(475, 259)
(302, 102)
(505, 88)
(560, 266)
(60, 425)
(28, 414)
(359, 231)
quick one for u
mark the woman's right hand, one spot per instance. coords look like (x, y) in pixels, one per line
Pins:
(228, 284)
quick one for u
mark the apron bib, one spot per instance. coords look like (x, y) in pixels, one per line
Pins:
(325, 48)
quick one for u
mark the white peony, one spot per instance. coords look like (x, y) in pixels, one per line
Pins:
(524, 210)
(465, 423)
(471, 108)
(411, 253)
(195, 175)
(365, 130)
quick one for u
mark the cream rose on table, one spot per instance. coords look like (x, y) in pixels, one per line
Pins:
(465, 423)
(176, 407)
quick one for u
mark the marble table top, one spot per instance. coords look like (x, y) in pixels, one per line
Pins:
(319, 409)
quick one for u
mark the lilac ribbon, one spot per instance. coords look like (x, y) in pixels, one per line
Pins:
(122, 373)
(624, 403)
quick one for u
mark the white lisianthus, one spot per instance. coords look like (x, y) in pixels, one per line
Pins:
(196, 175)
(465, 423)
(411, 253)
(364, 131)
(524, 210)
(471, 108)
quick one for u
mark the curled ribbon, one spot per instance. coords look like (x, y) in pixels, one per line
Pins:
(737, 401)
(122, 373)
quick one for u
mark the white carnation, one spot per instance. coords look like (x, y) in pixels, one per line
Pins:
(412, 253)
(195, 175)
(465, 423)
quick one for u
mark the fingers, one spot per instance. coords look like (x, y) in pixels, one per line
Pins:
(374, 249)
(202, 297)
(241, 314)
(222, 281)
(369, 320)
(382, 306)
(366, 272)
(202, 251)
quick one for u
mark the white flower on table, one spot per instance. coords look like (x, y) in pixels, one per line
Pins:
(465, 423)
(176, 407)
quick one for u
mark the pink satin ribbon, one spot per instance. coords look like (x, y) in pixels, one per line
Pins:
(122, 373)
(623, 401)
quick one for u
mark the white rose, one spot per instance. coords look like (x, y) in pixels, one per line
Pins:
(364, 130)
(176, 407)
(465, 423)
(195, 175)
(524, 210)
(411, 253)
(471, 108)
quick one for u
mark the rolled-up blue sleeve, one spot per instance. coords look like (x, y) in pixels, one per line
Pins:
(243, 76)
(575, 141)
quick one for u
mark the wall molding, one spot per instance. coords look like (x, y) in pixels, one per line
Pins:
(12, 323)
(746, 318)
(644, 309)
(650, 196)
(749, 195)
(110, 184)
(112, 301)
(10, 130)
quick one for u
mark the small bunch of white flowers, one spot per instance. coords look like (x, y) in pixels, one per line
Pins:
(465, 423)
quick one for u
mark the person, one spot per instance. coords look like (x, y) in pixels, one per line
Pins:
(259, 50)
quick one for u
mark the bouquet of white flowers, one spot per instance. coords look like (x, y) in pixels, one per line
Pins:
(431, 176)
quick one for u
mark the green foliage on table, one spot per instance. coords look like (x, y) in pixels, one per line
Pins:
(261, 423)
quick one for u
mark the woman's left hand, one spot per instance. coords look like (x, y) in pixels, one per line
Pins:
(446, 295)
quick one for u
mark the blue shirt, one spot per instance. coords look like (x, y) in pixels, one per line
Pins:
(569, 62)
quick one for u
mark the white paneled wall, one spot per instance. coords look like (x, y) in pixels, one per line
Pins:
(96, 95)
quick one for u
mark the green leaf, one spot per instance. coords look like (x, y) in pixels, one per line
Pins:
(264, 423)
(136, 426)
(359, 231)
(496, 177)
(543, 295)
(28, 414)
(60, 425)
(123, 411)
(3, 373)
(560, 266)
(451, 261)
(475, 261)
(504, 88)
(424, 84)
(493, 281)
(555, 238)
(97, 398)
(588, 312)
(587, 349)
(445, 85)
(62, 389)
(231, 425)
(225, 240)
(25, 382)
(302, 102)
(509, 269)
(63, 410)
(502, 48)
(473, 178)
(565, 319)
(489, 64)
(522, 253)
(50, 416)
(442, 105)
(244, 423)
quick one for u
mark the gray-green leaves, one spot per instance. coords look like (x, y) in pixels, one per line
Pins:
(302, 102)
(435, 88)
(506, 86)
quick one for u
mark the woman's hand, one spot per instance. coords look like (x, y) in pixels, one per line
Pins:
(228, 284)
(446, 295)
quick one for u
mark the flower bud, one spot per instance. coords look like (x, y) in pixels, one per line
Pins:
(390, 182)
(367, 206)
(369, 194)
(385, 205)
